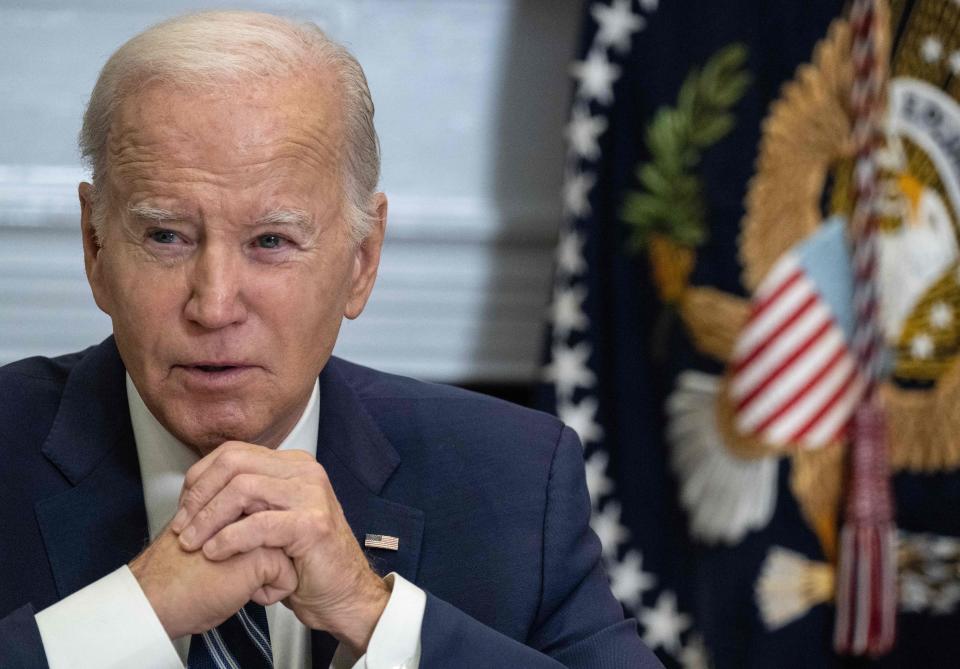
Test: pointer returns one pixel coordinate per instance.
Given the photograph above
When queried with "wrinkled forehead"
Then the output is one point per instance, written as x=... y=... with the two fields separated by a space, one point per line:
x=294 y=125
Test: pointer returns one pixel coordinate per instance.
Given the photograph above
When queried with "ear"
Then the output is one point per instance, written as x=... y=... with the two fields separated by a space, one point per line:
x=366 y=260
x=92 y=260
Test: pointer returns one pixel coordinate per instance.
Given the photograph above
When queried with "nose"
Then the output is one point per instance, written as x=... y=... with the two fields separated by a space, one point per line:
x=216 y=279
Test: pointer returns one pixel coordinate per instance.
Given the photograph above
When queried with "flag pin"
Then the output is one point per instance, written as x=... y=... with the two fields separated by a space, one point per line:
x=382 y=541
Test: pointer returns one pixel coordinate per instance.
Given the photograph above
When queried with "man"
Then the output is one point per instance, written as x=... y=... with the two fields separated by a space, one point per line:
x=231 y=223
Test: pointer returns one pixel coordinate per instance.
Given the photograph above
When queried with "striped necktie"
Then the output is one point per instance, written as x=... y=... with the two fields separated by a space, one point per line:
x=240 y=642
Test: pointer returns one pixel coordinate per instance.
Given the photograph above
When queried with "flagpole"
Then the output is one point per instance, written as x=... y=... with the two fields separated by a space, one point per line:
x=866 y=583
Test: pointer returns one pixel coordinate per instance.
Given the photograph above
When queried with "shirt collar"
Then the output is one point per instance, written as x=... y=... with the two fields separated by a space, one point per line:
x=164 y=459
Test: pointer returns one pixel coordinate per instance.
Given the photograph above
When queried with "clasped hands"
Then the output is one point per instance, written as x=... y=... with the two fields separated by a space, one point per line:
x=255 y=523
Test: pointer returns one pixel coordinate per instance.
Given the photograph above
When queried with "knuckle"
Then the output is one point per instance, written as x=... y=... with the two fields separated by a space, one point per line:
x=190 y=478
x=194 y=498
x=231 y=460
x=244 y=484
x=206 y=514
x=266 y=558
x=315 y=522
x=318 y=474
x=226 y=537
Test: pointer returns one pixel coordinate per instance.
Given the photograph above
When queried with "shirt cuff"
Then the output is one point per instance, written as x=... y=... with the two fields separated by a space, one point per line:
x=107 y=624
x=395 y=643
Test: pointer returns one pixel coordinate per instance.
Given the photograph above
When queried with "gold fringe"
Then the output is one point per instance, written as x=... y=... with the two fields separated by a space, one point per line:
x=923 y=426
x=713 y=319
x=807 y=130
x=816 y=480
x=740 y=445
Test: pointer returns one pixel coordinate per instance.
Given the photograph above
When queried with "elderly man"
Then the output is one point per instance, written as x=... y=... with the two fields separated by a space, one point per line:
x=209 y=486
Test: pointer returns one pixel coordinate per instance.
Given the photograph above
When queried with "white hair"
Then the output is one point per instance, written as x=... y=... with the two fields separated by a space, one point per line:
x=210 y=48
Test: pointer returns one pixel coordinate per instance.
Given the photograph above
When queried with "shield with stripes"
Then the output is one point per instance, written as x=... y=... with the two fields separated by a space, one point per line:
x=793 y=379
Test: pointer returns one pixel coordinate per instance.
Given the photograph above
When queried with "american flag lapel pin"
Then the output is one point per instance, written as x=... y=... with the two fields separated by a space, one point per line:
x=382 y=541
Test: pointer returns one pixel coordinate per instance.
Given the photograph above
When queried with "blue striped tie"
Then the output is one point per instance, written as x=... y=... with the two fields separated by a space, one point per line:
x=240 y=642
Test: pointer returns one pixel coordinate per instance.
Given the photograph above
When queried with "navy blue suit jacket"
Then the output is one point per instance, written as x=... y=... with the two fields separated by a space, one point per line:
x=488 y=501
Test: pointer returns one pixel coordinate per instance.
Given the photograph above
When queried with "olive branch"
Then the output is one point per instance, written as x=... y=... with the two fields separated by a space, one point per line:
x=671 y=201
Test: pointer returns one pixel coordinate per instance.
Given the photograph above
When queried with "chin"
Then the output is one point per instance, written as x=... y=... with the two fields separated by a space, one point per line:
x=204 y=428
x=206 y=440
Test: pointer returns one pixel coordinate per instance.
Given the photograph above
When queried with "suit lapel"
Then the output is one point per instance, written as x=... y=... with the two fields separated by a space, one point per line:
x=100 y=523
x=359 y=460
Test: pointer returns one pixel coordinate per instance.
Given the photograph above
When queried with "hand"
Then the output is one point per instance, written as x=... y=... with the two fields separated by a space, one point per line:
x=242 y=497
x=192 y=594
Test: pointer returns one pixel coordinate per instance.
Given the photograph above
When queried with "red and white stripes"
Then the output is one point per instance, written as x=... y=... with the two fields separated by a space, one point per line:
x=793 y=380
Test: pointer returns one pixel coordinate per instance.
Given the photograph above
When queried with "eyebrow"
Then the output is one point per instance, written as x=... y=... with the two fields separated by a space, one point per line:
x=146 y=212
x=297 y=218
x=283 y=217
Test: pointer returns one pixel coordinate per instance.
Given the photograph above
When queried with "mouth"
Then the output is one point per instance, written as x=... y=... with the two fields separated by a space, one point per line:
x=215 y=374
x=215 y=368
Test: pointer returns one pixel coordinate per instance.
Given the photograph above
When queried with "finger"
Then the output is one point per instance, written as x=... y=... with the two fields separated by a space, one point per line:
x=277 y=575
x=235 y=449
x=291 y=530
x=201 y=485
x=245 y=494
x=203 y=463
x=268 y=595
x=198 y=468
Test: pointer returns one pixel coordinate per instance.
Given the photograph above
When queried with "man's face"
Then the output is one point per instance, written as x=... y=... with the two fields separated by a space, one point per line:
x=226 y=262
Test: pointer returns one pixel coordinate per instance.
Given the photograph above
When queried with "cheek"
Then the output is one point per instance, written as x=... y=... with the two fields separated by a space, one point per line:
x=144 y=299
x=303 y=309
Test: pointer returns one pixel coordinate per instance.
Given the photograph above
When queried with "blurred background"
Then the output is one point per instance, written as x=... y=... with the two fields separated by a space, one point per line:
x=471 y=99
x=595 y=207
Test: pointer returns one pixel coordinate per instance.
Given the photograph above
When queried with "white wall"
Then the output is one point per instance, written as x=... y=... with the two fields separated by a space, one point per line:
x=471 y=98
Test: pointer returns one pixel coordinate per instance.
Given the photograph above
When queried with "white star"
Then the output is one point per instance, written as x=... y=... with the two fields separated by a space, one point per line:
x=568 y=369
x=617 y=23
x=941 y=315
x=595 y=77
x=576 y=190
x=570 y=253
x=663 y=624
x=921 y=347
x=598 y=484
x=649 y=6
x=581 y=417
x=694 y=654
x=954 y=62
x=606 y=523
x=628 y=580
x=583 y=131
x=566 y=311
x=931 y=49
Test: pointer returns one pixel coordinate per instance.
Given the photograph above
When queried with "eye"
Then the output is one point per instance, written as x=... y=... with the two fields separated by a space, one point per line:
x=164 y=236
x=269 y=241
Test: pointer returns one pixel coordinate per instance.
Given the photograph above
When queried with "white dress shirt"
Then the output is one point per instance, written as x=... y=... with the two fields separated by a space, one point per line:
x=110 y=623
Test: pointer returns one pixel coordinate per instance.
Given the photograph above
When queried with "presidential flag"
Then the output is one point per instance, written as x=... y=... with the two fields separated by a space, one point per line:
x=701 y=323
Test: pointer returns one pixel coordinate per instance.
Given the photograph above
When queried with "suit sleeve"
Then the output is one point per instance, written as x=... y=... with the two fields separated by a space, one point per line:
x=20 y=642
x=579 y=623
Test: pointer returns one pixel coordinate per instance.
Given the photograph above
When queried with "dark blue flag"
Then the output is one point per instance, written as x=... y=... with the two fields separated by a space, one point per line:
x=706 y=193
